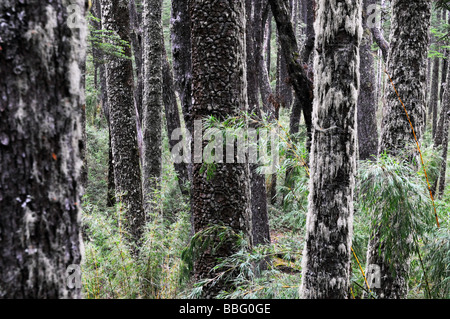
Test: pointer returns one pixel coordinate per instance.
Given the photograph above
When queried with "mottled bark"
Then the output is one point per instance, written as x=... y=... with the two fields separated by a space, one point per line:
x=119 y=82
x=41 y=103
x=152 y=101
x=173 y=122
x=435 y=85
x=219 y=89
x=367 y=102
x=254 y=38
x=441 y=137
x=326 y=256
x=181 y=54
x=407 y=66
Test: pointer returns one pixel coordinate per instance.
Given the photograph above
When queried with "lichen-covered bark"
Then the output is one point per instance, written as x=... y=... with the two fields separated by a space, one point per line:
x=219 y=89
x=152 y=100
x=407 y=66
x=41 y=99
x=119 y=82
x=367 y=102
x=326 y=256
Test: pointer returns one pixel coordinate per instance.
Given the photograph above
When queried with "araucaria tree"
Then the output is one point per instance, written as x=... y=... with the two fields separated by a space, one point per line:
x=406 y=67
x=220 y=192
x=119 y=82
x=152 y=100
x=41 y=53
x=326 y=257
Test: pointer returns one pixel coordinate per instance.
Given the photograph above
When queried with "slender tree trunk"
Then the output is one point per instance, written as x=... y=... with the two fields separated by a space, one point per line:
x=119 y=80
x=152 y=101
x=326 y=257
x=219 y=89
x=173 y=122
x=42 y=95
x=407 y=59
x=298 y=77
x=435 y=84
x=181 y=54
x=367 y=103
x=441 y=137
x=254 y=39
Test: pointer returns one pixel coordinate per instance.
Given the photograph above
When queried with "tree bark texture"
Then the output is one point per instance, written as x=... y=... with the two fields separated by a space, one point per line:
x=152 y=101
x=367 y=102
x=119 y=81
x=326 y=256
x=41 y=103
x=407 y=67
x=219 y=89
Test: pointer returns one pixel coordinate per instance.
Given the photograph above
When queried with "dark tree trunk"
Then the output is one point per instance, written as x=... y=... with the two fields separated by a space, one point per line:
x=152 y=101
x=136 y=41
x=173 y=122
x=435 y=84
x=326 y=257
x=40 y=147
x=254 y=39
x=181 y=54
x=298 y=77
x=407 y=59
x=219 y=89
x=367 y=102
x=119 y=81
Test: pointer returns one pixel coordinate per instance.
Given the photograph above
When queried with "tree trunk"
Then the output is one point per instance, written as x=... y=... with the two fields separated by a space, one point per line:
x=152 y=101
x=119 y=81
x=173 y=122
x=219 y=89
x=435 y=84
x=326 y=257
x=407 y=60
x=41 y=56
x=298 y=77
x=181 y=54
x=367 y=102
x=254 y=39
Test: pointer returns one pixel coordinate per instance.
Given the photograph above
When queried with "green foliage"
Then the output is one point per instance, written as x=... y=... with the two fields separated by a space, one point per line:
x=396 y=200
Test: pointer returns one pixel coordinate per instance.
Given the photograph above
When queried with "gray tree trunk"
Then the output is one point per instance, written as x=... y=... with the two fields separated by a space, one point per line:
x=407 y=60
x=42 y=96
x=152 y=100
x=119 y=82
x=219 y=89
x=254 y=39
x=326 y=256
x=367 y=102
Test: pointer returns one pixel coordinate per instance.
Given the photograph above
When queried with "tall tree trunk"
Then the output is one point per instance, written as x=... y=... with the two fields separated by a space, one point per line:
x=152 y=100
x=181 y=54
x=254 y=38
x=435 y=84
x=173 y=122
x=219 y=89
x=367 y=102
x=441 y=136
x=298 y=77
x=326 y=257
x=407 y=60
x=41 y=56
x=119 y=81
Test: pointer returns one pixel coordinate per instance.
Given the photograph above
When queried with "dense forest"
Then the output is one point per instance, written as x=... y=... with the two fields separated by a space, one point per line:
x=224 y=149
